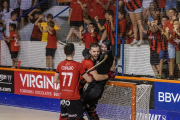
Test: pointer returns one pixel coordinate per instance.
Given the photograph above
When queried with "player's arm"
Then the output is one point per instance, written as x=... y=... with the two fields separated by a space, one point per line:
x=39 y=25
x=104 y=6
x=49 y=31
x=99 y=77
x=56 y=78
x=87 y=77
x=30 y=14
x=99 y=25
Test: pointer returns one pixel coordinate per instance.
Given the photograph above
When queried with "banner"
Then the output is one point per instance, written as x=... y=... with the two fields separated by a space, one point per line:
x=157 y=115
x=64 y=0
x=167 y=96
x=36 y=84
x=6 y=81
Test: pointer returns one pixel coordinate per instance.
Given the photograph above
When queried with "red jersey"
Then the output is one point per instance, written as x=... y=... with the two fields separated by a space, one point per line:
x=122 y=27
x=173 y=38
x=89 y=7
x=110 y=33
x=14 y=44
x=52 y=40
x=132 y=5
x=113 y=8
x=162 y=3
x=77 y=12
x=69 y=73
x=154 y=41
x=88 y=39
x=171 y=27
x=98 y=10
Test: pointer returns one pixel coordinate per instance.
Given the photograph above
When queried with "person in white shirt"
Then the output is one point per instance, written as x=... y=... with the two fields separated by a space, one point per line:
x=6 y=12
x=25 y=5
x=9 y=21
x=15 y=5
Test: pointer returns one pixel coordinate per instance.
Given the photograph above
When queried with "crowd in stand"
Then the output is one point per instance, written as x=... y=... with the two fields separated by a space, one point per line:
x=95 y=20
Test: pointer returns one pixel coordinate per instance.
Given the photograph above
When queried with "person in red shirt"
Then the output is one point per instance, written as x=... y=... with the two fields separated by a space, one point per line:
x=161 y=6
x=14 y=45
x=89 y=37
x=51 y=44
x=122 y=23
x=67 y=74
x=75 y=20
x=154 y=42
x=130 y=35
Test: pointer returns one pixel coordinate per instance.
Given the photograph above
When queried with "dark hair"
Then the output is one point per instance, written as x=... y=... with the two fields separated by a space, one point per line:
x=51 y=24
x=69 y=48
x=177 y=19
x=36 y=13
x=174 y=9
x=107 y=43
x=166 y=17
x=92 y=24
x=13 y=26
x=122 y=12
x=13 y=13
x=1 y=23
x=50 y=16
x=155 y=6
x=7 y=5
x=93 y=45
x=110 y=12
x=87 y=17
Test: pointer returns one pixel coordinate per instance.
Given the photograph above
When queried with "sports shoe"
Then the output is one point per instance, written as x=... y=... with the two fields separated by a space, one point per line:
x=171 y=77
x=161 y=76
x=18 y=64
x=64 y=42
x=133 y=42
x=140 y=42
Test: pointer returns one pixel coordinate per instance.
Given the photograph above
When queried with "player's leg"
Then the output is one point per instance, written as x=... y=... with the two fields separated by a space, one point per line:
x=161 y=58
x=64 y=112
x=135 y=28
x=50 y=62
x=139 y=17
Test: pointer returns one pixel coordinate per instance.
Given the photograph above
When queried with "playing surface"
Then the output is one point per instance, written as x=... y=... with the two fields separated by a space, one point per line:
x=15 y=113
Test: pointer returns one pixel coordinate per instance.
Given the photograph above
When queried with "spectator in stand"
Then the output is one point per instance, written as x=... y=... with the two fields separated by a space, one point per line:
x=75 y=16
x=170 y=4
x=25 y=5
x=7 y=22
x=36 y=34
x=89 y=7
x=13 y=39
x=1 y=31
x=164 y=48
x=99 y=8
x=51 y=44
x=49 y=18
x=162 y=4
x=122 y=23
x=90 y=36
x=134 y=8
x=176 y=37
x=15 y=6
x=154 y=41
x=6 y=12
x=152 y=14
x=146 y=5
x=168 y=27
x=178 y=8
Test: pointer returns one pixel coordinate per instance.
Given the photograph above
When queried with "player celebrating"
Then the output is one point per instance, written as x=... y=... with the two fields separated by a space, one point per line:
x=95 y=89
x=68 y=72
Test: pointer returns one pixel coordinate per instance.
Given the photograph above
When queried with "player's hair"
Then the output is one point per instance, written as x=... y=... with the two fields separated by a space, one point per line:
x=36 y=13
x=93 y=45
x=122 y=12
x=13 y=26
x=13 y=13
x=1 y=23
x=51 y=24
x=87 y=17
x=166 y=17
x=177 y=19
x=50 y=16
x=110 y=12
x=174 y=9
x=69 y=49
x=92 y=24
x=107 y=43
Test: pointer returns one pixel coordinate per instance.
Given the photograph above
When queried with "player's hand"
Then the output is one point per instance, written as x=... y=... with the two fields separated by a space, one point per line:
x=85 y=5
x=78 y=2
x=167 y=30
x=91 y=75
x=96 y=19
x=92 y=30
x=81 y=28
x=111 y=74
x=110 y=18
x=98 y=1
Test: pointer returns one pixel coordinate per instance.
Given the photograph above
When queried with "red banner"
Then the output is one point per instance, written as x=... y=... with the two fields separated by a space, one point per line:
x=35 y=84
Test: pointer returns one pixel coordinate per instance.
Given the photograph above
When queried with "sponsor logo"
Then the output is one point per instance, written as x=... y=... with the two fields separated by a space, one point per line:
x=168 y=97
x=5 y=77
x=67 y=68
x=65 y=103
x=157 y=117
x=38 y=81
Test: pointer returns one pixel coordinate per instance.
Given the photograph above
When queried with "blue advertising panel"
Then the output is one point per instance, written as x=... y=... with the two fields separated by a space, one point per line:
x=157 y=115
x=167 y=96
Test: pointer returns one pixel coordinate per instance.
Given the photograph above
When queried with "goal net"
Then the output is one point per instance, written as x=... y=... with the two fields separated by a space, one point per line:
x=124 y=101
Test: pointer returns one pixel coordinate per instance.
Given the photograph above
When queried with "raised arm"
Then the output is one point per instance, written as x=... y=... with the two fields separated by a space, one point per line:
x=57 y=24
x=99 y=25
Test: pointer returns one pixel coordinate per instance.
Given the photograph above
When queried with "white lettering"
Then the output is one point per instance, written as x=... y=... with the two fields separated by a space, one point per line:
x=67 y=68
x=161 y=96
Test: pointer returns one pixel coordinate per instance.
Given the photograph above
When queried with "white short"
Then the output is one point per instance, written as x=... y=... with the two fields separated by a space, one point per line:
x=171 y=50
x=146 y=3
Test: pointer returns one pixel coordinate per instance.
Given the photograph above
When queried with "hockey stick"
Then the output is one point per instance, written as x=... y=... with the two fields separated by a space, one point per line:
x=105 y=57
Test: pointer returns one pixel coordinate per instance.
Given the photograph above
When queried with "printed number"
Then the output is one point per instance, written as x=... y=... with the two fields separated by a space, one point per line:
x=16 y=43
x=67 y=74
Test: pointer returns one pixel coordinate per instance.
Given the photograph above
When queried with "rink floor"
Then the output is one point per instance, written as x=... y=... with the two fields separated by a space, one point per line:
x=16 y=113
